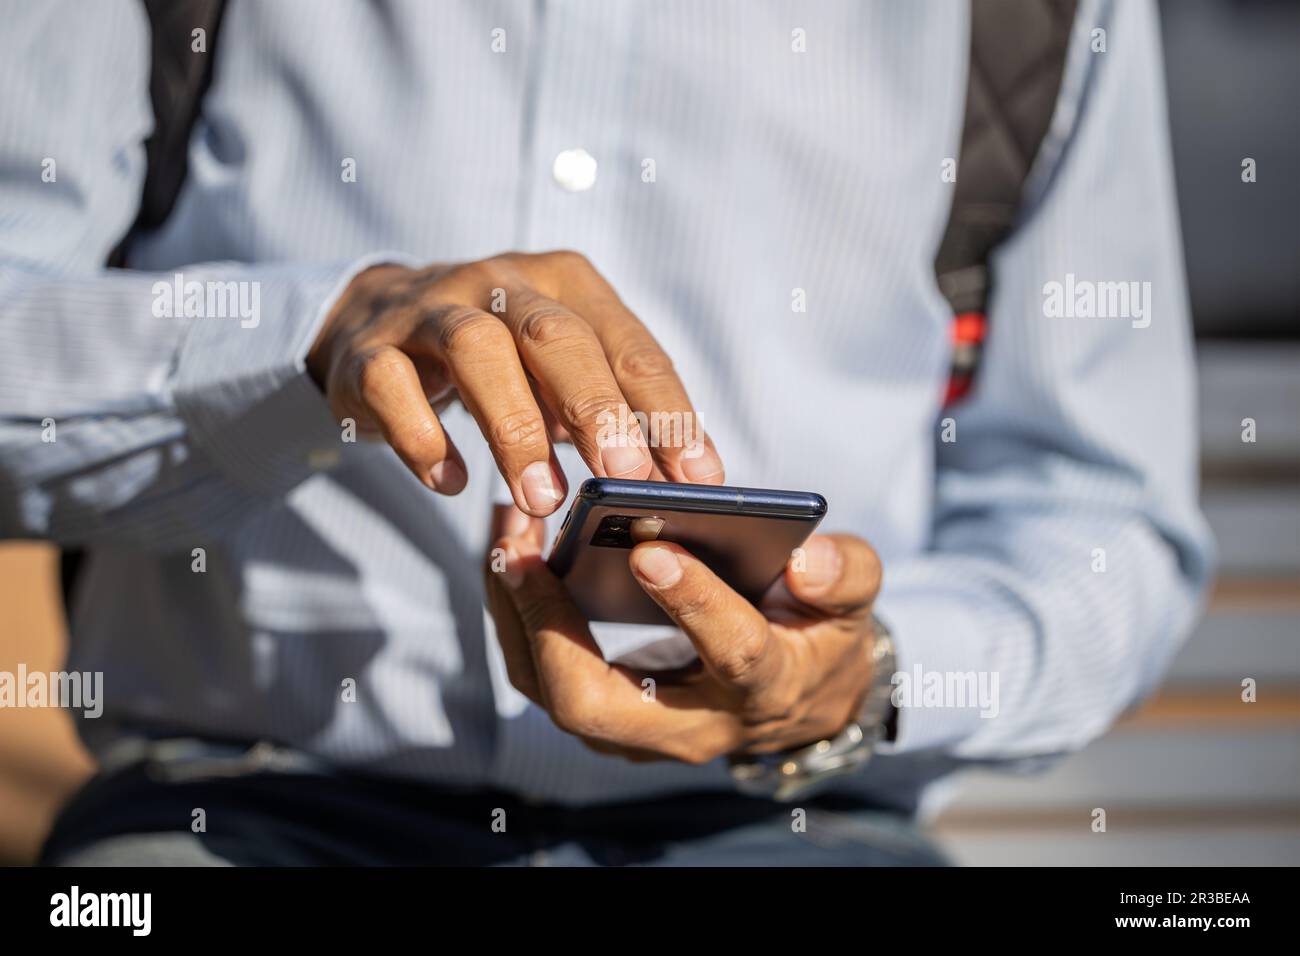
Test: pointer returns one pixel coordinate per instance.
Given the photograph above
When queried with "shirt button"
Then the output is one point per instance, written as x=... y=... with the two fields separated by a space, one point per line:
x=575 y=170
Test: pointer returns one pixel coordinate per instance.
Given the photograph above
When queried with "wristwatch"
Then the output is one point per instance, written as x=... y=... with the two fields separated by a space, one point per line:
x=795 y=773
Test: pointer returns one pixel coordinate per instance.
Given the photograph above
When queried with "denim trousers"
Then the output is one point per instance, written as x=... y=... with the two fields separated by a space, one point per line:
x=224 y=809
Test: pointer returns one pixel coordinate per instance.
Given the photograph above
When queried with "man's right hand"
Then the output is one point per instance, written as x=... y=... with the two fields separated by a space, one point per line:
x=531 y=344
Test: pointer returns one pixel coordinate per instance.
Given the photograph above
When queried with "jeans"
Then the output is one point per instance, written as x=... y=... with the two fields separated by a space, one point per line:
x=235 y=812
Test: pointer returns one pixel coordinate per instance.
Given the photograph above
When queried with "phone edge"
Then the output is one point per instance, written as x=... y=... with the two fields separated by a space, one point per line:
x=718 y=499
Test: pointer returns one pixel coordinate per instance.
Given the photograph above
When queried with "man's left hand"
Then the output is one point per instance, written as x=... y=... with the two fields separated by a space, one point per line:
x=784 y=675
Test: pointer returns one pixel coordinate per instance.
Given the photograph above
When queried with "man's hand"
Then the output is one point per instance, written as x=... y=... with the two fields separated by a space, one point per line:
x=790 y=674
x=535 y=346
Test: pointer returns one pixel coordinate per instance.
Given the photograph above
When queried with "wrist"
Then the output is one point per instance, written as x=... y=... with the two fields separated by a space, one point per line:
x=363 y=296
x=793 y=773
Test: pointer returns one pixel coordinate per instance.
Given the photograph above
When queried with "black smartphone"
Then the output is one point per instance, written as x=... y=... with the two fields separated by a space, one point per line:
x=745 y=535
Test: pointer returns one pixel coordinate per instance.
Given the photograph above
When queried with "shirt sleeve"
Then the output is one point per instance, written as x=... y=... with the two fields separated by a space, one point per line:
x=125 y=415
x=1068 y=556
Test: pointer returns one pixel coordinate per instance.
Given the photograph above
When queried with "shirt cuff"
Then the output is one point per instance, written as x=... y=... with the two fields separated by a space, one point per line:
x=944 y=692
x=241 y=383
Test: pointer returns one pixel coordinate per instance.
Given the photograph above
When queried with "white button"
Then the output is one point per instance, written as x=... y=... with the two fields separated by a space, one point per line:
x=575 y=170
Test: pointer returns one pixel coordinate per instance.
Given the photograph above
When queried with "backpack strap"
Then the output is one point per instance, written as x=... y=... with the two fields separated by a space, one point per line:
x=178 y=78
x=1017 y=59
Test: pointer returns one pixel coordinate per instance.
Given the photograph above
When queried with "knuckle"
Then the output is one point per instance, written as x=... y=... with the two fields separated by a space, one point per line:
x=589 y=406
x=546 y=325
x=517 y=432
x=741 y=658
x=468 y=332
x=568 y=260
x=643 y=361
x=373 y=371
x=480 y=274
x=417 y=437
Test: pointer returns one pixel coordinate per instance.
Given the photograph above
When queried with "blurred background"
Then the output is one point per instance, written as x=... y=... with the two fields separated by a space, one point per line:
x=1193 y=777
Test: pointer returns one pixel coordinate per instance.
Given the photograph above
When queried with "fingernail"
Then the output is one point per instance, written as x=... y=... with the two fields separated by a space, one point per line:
x=624 y=461
x=515 y=523
x=540 y=488
x=704 y=467
x=513 y=575
x=448 y=476
x=822 y=563
x=659 y=566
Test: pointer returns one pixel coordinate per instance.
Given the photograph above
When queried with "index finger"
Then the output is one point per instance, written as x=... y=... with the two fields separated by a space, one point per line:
x=571 y=372
x=645 y=375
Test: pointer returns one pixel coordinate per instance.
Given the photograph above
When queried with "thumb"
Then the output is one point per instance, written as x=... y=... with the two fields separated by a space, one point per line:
x=838 y=574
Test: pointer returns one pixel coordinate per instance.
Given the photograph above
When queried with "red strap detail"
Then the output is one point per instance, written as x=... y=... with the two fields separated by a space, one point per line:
x=968 y=328
x=957 y=389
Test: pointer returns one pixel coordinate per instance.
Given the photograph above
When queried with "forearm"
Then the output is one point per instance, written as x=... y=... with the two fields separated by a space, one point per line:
x=1026 y=634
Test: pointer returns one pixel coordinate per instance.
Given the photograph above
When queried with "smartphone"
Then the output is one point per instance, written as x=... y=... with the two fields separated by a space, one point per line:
x=745 y=535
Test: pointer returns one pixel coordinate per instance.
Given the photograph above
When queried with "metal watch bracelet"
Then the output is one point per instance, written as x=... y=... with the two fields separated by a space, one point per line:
x=794 y=773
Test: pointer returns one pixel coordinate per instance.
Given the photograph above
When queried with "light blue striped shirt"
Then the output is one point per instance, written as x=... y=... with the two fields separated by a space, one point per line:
x=1048 y=534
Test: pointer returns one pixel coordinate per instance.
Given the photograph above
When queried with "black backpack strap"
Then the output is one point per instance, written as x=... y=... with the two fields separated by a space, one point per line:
x=178 y=78
x=1017 y=59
